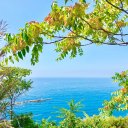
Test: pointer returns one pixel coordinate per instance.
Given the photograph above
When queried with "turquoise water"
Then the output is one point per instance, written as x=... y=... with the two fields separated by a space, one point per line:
x=91 y=91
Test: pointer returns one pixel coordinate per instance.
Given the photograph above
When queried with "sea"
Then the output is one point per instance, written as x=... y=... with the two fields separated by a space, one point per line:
x=91 y=92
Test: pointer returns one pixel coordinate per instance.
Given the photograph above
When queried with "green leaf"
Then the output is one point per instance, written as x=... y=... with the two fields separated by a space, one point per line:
x=40 y=47
x=25 y=36
x=66 y=1
x=6 y=61
x=11 y=60
x=23 y=52
x=83 y=1
x=27 y=48
x=9 y=37
x=16 y=57
x=20 y=55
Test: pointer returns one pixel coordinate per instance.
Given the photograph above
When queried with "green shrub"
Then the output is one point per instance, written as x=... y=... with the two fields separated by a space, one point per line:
x=89 y=122
x=109 y=122
x=70 y=120
x=48 y=124
x=24 y=121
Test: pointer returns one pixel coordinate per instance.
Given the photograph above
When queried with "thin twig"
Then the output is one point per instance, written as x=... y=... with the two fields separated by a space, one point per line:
x=121 y=9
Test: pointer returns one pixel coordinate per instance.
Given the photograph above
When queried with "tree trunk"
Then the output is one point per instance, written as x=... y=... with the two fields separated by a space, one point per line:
x=11 y=108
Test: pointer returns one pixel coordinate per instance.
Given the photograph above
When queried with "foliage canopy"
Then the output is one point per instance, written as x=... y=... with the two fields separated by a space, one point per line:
x=70 y=28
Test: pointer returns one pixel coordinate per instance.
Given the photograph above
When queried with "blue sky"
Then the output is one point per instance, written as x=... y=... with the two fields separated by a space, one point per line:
x=97 y=61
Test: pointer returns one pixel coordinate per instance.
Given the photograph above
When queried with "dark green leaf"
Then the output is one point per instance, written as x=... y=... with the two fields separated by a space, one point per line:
x=40 y=47
x=25 y=36
x=9 y=37
x=23 y=52
x=20 y=55
x=27 y=48
x=84 y=1
x=66 y=1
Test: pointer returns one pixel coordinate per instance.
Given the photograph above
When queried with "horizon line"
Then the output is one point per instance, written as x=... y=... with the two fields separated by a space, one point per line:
x=66 y=77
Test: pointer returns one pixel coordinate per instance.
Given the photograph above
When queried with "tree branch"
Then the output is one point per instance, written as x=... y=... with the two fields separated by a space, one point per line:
x=3 y=26
x=121 y=9
x=102 y=29
x=85 y=38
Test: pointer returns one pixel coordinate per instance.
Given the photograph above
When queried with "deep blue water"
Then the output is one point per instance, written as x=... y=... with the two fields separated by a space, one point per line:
x=91 y=91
